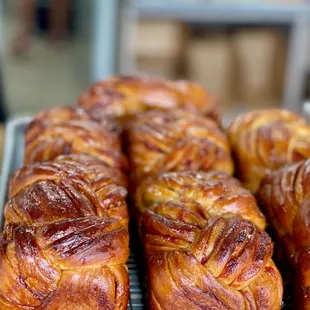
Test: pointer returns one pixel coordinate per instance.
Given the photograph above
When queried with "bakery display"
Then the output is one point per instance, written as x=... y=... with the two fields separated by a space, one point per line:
x=124 y=96
x=177 y=140
x=285 y=197
x=65 y=242
x=266 y=140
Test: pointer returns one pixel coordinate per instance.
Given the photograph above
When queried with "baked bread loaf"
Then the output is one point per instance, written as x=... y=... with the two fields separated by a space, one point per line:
x=47 y=137
x=68 y=264
x=66 y=241
x=285 y=198
x=71 y=186
x=161 y=141
x=204 y=248
x=266 y=140
x=124 y=96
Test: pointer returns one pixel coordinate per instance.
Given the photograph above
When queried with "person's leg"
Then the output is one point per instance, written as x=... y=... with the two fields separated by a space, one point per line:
x=59 y=19
x=26 y=24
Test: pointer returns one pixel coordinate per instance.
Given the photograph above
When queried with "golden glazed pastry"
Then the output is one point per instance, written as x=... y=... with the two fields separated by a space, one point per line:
x=48 y=136
x=194 y=197
x=203 y=247
x=69 y=113
x=227 y=265
x=160 y=141
x=124 y=96
x=68 y=264
x=285 y=197
x=65 y=245
x=266 y=140
x=68 y=187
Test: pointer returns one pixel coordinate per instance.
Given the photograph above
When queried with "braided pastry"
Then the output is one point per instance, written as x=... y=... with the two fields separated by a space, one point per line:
x=194 y=197
x=204 y=249
x=124 y=96
x=266 y=140
x=67 y=113
x=227 y=266
x=69 y=264
x=176 y=140
x=46 y=138
x=285 y=197
x=69 y=187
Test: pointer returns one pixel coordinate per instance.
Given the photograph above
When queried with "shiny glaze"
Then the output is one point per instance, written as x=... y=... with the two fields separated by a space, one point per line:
x=69 y=264
x=49 y=135
x=68 y=187
x=228 y=265
x=124 y=96
x=193 y=197
x=160 y=141
x=285 y=198
x=204 y=245
x=266 y=140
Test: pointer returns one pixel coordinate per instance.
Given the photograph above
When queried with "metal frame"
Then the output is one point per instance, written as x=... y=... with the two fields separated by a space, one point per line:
x=2 y=97
x=113 y=56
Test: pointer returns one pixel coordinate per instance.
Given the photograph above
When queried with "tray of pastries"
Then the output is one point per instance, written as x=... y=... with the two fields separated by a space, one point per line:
x=137 y=197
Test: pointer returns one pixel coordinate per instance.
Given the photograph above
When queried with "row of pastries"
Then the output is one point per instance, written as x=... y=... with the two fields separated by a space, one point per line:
x=198 y=194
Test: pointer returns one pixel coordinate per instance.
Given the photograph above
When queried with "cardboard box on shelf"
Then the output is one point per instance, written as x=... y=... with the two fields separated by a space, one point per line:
x=209 y=62
x=159 y=39
x=164 y=68
x=260 y=60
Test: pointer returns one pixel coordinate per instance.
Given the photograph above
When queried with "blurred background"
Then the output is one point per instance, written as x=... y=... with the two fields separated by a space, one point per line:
x=251 y=54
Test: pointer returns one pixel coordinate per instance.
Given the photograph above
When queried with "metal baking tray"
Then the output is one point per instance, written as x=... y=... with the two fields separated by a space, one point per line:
x=13 y=160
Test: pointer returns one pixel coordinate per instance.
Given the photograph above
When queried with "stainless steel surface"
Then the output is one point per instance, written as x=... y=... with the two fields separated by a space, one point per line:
x=13 y=160
x=12 y=156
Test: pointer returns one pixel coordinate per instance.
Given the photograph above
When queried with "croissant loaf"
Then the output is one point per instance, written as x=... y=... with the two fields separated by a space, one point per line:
x=285 y=197
x=266 y=140
x=204 y=249
x=124 y=96
x=176 y=140
x=66 y=240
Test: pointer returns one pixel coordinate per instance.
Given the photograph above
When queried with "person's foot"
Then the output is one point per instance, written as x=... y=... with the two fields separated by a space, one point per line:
x=22 y=44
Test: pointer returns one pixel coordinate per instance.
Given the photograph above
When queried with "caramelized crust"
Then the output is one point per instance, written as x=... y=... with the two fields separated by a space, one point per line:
x=69 y=187
x=266 y=140
x=70 y=264
x=46 y=138
x=227 y=265
x=193 y=197
x=285 y=197
x=124 y=96
x=177 y=140
x=69 y=113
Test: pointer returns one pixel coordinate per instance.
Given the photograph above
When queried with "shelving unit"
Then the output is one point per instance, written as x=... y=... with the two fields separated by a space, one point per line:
x=127 y=12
